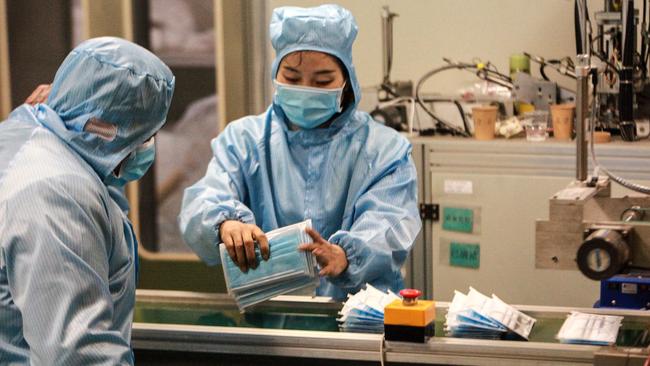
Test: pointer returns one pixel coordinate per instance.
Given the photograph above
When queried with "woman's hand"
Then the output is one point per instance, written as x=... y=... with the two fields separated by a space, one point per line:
x=39 y=95
x=240 y=239
x=330 y=257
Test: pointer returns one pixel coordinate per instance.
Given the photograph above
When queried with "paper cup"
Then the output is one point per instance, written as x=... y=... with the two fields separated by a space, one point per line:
x=485 y=119
x=601 y=137
x=562 y=117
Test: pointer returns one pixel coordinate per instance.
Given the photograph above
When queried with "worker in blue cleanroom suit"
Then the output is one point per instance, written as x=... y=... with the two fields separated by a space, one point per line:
x=67 y=250
x=313 y=155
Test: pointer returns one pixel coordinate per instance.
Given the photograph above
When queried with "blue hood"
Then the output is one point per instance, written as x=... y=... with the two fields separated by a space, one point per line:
x=327 y=28
x=115 y=81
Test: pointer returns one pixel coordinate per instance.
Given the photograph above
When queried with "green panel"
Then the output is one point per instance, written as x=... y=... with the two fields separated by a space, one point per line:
x=464 y=255
x=180 y=276
x=458 y=219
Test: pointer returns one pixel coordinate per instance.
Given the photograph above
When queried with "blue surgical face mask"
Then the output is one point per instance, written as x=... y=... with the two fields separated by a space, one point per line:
x=135 y=166
x=285 y=258
x=308 y=107
x=287 y=269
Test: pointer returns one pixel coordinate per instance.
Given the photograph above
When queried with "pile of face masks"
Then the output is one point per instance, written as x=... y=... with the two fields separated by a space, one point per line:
x=288 y=269
x=363 y=312
x=581 y=328
x=477 y=316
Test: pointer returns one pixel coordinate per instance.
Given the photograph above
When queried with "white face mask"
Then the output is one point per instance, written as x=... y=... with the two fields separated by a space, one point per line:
x=490 y=315
x=584 y=328
x=510 y=317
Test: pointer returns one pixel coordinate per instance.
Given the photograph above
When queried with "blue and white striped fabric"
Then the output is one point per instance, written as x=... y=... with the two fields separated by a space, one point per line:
x=67 y=249
x=354 y=179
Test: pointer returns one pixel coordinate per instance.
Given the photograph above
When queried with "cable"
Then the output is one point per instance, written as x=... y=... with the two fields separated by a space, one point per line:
x=597 y=167
x=462 y=115
x=442 y=126
x=563 y=66
x=606 y=61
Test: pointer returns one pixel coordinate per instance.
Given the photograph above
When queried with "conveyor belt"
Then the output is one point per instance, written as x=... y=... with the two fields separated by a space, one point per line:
x=208 y=328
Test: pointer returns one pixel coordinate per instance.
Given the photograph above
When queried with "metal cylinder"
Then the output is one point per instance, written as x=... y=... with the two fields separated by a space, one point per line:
x=603 y=254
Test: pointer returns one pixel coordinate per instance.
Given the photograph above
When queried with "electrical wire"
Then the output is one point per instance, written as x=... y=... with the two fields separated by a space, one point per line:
x=462 y=115
x=459 y=107
x=562 y=66
x=442 y=126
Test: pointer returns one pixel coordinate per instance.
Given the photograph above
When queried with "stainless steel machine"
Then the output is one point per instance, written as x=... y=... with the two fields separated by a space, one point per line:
x=589 y=230
x=601 y=235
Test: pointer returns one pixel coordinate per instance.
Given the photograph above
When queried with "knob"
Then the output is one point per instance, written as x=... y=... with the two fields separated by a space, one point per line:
x=410 y=296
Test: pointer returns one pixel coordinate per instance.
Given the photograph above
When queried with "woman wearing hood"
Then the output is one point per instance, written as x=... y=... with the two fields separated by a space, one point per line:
x=311 y=155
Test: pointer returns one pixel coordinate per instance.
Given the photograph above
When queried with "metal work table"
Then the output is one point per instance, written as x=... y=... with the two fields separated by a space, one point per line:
x=174 y=328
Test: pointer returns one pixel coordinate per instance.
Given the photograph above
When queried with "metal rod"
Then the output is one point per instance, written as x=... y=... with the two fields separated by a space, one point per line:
x=582 y=69
x=387 y=40
x=626 y=88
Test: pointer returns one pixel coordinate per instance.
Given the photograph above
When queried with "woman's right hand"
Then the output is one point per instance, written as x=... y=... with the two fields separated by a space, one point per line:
x=240 y=239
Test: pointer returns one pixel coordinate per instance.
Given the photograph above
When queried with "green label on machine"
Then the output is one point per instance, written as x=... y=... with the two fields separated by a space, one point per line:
x=464 y=255
x=458 y=219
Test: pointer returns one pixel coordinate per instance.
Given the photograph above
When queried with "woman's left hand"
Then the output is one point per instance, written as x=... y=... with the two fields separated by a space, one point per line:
x=330 y=257
x=39 y=95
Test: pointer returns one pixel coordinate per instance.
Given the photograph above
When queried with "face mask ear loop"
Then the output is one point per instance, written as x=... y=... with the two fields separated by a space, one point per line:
x=147 y=144
x=341 y=93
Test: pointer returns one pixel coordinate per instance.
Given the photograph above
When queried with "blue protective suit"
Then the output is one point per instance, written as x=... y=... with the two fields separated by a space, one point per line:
x=354 y=178
x=67 y=249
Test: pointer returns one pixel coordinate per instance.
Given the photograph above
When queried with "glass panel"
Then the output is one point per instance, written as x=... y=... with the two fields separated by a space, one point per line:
x=182 y=34
x=229 y=316
x=633 y=333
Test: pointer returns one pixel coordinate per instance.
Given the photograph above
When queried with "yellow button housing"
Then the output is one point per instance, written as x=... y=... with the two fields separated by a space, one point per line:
x=418 y=315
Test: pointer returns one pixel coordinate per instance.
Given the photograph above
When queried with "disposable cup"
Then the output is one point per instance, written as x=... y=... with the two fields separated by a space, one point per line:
x=485 y=119
x=562 y=117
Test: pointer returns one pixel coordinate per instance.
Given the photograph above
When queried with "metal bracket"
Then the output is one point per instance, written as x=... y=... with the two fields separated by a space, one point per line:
x=430 y=211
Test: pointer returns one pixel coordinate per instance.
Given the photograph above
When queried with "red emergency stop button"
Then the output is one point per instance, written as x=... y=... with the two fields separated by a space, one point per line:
x=410 y=296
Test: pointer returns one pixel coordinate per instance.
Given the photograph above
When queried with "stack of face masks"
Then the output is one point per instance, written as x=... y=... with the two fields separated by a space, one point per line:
x=288 y=269
x=363 y=312
x=477 y=316
x=581 y=328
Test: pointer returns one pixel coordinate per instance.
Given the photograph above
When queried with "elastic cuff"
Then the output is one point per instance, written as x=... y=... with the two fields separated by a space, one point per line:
x=343 y=279
x=244 y=216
